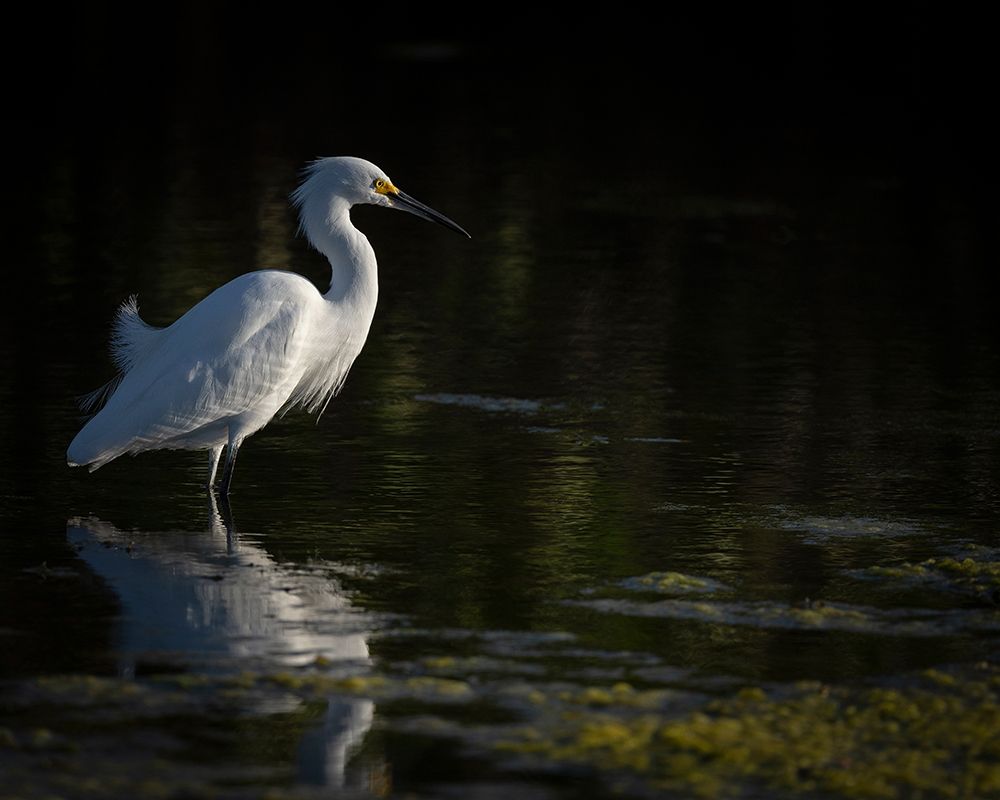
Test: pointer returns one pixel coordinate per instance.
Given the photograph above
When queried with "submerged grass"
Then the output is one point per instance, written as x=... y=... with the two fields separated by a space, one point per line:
x=932 y=735
x=973 y=571
x=669 y=582
x=936 y=737
x=935 y=734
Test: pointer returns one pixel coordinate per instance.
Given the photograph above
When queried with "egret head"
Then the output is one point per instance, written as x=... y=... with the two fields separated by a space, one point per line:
x=357 y=181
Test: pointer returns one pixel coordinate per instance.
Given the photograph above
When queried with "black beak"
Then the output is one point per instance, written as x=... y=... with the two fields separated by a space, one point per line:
x=404 y=202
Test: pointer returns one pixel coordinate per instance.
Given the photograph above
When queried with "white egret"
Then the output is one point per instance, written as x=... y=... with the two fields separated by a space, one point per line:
x=260 y=344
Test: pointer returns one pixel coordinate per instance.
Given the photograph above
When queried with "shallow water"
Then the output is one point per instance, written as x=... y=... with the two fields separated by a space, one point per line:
x=624 y=455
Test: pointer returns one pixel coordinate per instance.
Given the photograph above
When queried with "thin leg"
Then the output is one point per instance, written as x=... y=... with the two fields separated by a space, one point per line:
x=213 y=464
x=220 y=519
x=226 y=514
x=227 y=473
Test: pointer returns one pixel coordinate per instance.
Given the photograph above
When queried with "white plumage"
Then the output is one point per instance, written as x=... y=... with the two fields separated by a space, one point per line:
x=260 y=344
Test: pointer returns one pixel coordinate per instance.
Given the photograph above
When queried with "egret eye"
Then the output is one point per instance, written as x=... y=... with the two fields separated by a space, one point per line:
x=379 y=183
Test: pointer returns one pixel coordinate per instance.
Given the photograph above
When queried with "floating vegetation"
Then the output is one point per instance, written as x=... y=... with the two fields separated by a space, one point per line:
x=620 y=694
x=972 y=571
x=938 y=736
x=167 y=694
x=821 y=529
x=672 y=583
x=478 y=665
x=531 y=701
x=935 y=734
x=427 y=688
x=816 y=615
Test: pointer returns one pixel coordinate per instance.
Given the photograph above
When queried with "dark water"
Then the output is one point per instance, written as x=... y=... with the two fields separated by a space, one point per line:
x=752 y=347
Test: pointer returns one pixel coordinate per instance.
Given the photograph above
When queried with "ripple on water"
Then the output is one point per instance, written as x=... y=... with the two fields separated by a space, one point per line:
x=513 y=405
x=821 y=529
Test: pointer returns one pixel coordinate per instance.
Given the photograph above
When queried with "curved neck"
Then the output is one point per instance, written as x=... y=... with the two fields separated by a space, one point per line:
x=354 y=270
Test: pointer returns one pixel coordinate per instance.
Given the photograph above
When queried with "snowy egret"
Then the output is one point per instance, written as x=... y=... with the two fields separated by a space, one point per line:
x=255 y=347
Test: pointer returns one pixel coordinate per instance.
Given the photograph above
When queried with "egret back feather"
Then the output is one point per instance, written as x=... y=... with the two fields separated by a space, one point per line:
x=131 y=339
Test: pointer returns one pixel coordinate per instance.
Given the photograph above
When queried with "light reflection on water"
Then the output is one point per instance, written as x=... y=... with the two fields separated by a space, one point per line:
x=210 y=600
x=212 y=594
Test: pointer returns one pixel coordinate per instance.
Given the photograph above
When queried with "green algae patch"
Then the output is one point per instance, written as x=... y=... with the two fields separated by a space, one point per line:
x=309 y=685
x=361 y=684
x=312 y=684
x=87 y=689
x=162 y=691
x=443 y=687
x=672 y=583
x=483 y=666
x=972 y=571
x=938 y=736
x=288 y=680
x=621 y=695
x=439 y=662
x=823 y=615
x=185 y=680
x=244 y=680
x=817 y=615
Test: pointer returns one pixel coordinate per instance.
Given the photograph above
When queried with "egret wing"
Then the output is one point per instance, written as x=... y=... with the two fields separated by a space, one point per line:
x=237 y=355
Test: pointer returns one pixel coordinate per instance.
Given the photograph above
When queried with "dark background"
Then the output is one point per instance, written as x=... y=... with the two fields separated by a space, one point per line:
x=866 y=122
x=732 y=90
x=915 y=79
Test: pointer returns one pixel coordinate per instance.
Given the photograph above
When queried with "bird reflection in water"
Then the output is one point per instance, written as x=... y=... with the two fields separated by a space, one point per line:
x=213 y=602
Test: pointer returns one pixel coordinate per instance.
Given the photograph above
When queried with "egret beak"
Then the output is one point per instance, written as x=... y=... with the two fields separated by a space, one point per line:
x=404 y=202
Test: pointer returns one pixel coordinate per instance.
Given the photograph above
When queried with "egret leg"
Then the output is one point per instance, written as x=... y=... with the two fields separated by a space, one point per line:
x=213 y=464
x=227 y=473
x=220 y=518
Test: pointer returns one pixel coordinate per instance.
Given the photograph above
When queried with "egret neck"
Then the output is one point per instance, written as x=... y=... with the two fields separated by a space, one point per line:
x=354 y=270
